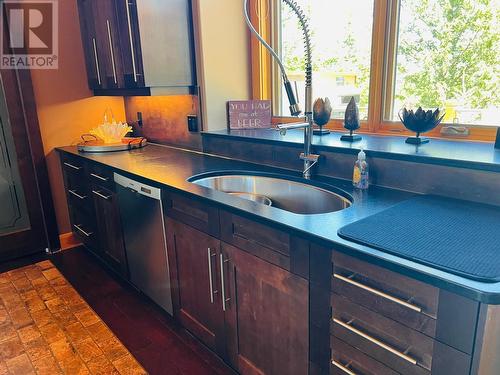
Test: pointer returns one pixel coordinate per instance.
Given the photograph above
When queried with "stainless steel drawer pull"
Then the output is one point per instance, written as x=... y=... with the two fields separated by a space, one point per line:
x=72 y=166
x=96 y=62
x=378 y=293
x=131 y=40
x=342 y=367
x=375 y=341
x=223 y=287
x=99 y=177
x=86 y=234
x=82 y=197
x=210 y=275
x=111 y=51
x=107 y=197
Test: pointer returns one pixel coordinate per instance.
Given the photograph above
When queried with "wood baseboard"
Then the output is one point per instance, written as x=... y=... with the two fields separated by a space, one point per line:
x=68 y=241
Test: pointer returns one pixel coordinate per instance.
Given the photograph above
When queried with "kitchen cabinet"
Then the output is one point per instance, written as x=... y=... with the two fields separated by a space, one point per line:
x=195 y=275
x=80 y=204
x=109 y=230
x=266 y=310
x=251 y=312
x=93 y=211
x=397 y=323
x=137 y=48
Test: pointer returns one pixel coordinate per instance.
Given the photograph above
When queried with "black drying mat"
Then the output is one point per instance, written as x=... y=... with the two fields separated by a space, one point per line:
x=456 y=236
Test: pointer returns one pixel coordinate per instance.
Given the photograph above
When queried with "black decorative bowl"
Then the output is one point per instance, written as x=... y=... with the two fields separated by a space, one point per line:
x=420 y=121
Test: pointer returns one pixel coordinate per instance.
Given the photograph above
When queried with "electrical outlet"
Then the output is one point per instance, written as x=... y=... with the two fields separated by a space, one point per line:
x=139 y=119
x=192 y=122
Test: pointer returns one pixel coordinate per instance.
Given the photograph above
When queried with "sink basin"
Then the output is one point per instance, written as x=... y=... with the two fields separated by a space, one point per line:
x=286 y=194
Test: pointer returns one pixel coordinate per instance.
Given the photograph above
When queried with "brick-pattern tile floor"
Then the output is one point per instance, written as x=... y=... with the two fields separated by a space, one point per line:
x=47 y=328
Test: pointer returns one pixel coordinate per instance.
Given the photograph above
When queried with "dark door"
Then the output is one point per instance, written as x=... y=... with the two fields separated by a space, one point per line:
x=197 y=302
x=22 y=225
x=94 y=58
x=101 y=41
x=267 y=315
x=130 y=43
x=110 y=237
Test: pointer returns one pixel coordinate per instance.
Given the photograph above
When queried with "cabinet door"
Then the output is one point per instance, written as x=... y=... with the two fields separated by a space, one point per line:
x=194 y=272
x=93 y=58
x=99 y=18
x=110 y=237
x=130 y=41
x=267 y=315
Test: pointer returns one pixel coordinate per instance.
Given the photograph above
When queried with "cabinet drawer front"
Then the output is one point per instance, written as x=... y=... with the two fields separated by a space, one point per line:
x=83 y=226
x=74 y=170
x=73 y=164
x=403 y=347
x=400 y=298
x=266 y=243
x=101 y=176
x=347 y=360
x=192 y=212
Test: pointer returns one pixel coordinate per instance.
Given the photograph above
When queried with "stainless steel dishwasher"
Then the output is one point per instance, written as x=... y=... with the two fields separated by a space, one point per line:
x=143 y=224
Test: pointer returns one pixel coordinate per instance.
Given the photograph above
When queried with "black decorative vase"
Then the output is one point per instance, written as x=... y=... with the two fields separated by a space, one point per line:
x=497 y=142
x=351 y=122
x=322 y=111
x=420 y=121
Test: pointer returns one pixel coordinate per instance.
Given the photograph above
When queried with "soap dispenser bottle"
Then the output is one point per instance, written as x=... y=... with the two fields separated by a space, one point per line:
x=361 y=172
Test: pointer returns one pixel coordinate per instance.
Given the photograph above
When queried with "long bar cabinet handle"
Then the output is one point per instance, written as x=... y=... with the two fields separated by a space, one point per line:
x=86 y=234
x=99 y=177
x=342 y=367
x=111 y=50
x=72 y=166
x=131 y=40
x=223 y=286
x=210 y=274
x=107 y=197
x=96 y=62
x=82 y=197
x=375 y=341
x=378 y=293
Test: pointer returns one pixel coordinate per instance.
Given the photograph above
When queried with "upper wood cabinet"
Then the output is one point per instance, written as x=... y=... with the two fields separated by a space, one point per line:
x=138 y=48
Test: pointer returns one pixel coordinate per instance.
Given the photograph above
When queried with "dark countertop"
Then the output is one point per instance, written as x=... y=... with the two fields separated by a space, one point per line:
x=171 y=167
x=453 y=153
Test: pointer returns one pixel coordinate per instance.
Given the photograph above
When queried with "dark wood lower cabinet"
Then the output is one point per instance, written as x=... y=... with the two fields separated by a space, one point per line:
x=109 y=230
x=267 y=315
x=251 y=312
x=193 y=269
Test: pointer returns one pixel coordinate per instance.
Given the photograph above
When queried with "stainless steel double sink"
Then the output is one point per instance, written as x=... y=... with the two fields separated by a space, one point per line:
x=280 y=192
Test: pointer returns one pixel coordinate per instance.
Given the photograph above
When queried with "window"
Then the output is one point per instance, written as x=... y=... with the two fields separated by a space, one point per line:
x=394 y=53
x=448 y=57
x=341 y=35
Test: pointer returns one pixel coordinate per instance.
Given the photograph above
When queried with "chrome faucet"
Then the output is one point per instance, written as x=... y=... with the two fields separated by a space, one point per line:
x=309 y=159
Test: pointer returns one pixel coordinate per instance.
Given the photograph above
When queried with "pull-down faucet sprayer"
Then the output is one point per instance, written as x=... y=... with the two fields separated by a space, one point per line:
x=309 y=159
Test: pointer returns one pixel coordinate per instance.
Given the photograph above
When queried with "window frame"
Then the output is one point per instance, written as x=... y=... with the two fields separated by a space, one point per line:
x=266 y=78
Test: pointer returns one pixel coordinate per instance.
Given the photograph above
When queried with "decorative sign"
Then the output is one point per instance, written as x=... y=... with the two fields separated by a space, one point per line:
x=249 y=114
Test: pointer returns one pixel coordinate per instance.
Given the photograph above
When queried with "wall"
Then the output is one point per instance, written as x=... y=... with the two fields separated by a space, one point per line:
x=65 y=105
x=164 y=119
x=224 y=71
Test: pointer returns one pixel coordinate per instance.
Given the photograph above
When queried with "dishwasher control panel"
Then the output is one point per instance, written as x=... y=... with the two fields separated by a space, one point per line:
x=148 y=191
